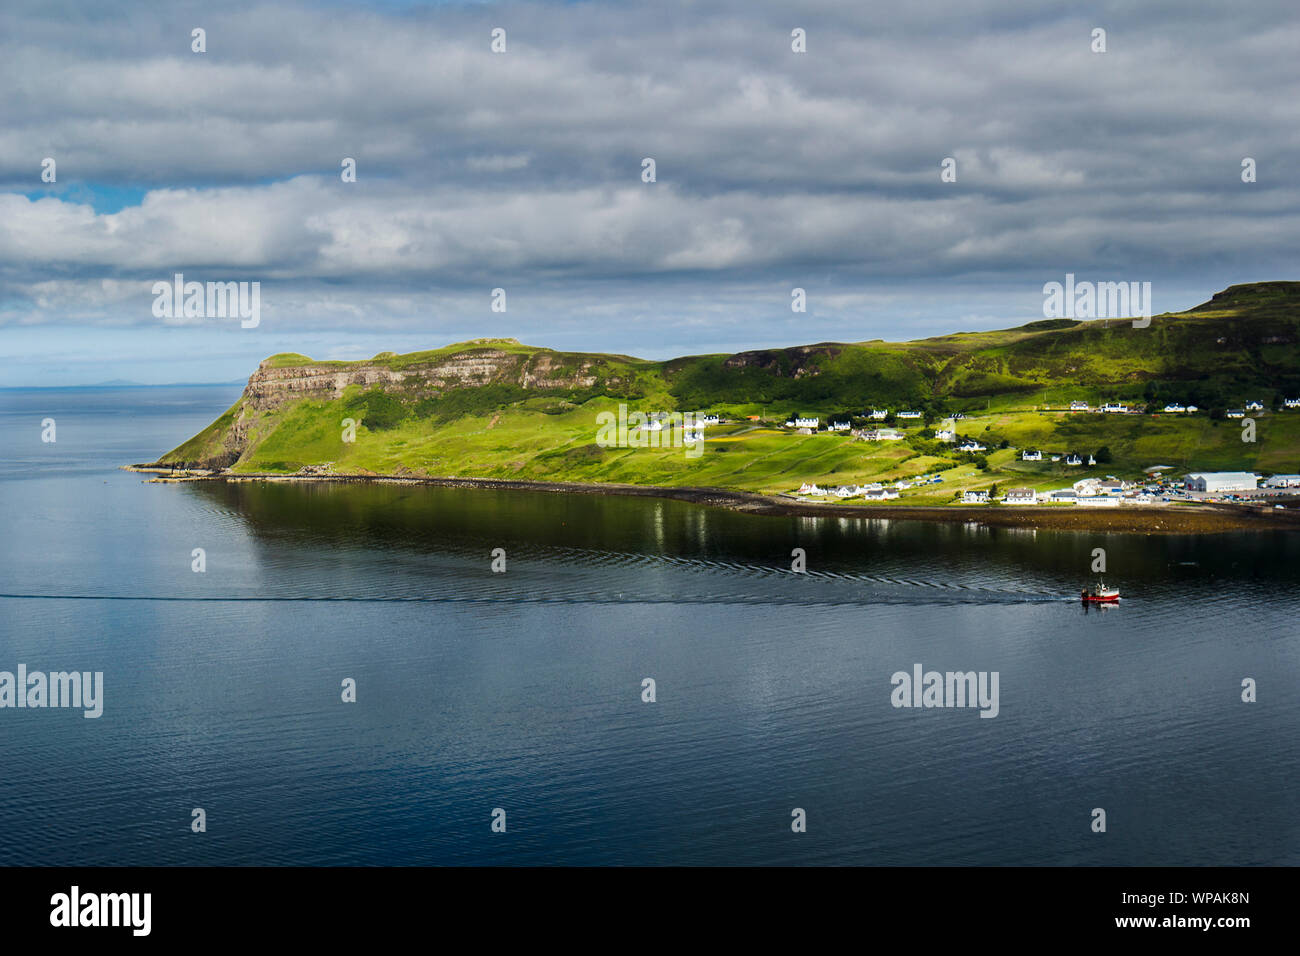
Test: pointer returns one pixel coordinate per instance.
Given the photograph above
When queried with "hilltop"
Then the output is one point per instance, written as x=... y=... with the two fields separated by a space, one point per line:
x=496 y=408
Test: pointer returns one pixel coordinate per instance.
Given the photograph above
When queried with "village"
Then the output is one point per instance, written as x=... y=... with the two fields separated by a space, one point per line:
x=1154 y=489
x=1105 y=492
x=925 y=458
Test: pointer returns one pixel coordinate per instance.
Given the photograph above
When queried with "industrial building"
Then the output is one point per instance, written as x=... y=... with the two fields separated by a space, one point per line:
x=1222 y=481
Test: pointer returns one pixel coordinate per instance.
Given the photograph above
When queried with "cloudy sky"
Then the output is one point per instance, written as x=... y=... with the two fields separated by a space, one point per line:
x=522 y=170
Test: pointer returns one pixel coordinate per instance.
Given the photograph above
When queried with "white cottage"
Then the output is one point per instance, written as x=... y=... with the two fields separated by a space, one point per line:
x=1020 y=496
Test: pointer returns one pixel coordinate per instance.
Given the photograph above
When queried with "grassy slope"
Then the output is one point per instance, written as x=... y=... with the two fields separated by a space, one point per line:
x=1217 y=353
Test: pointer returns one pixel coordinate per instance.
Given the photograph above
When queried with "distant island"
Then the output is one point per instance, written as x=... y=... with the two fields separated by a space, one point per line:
x=1019 y=416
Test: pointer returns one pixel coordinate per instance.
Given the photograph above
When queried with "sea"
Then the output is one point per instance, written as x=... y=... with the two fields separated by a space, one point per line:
x=352 y=674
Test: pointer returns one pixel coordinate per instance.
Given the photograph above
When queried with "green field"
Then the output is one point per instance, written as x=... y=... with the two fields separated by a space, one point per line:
x=531 y=414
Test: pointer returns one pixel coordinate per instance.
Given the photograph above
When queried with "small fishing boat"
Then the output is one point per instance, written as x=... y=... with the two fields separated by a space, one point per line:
x=1100 y=594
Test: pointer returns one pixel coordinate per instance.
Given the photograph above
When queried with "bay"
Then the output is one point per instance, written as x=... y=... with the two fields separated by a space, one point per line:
x=522 y=690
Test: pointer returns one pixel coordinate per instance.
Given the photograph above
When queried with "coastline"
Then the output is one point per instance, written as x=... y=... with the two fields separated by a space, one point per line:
x=1126 y=519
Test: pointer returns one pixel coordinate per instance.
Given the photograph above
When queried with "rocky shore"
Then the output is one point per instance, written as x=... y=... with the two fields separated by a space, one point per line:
x=1136 y=519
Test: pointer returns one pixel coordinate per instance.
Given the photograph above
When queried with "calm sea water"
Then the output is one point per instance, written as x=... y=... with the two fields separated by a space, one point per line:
x=522 y=690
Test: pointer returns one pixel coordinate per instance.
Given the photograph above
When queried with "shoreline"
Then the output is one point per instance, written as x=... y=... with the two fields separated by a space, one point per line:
x=1124 y=519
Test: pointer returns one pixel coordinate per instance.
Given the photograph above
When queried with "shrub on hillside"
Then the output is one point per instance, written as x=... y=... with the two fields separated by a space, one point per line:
x=377 y=409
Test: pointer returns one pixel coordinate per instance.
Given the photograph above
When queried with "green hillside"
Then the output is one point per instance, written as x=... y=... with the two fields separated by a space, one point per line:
x=494 y=408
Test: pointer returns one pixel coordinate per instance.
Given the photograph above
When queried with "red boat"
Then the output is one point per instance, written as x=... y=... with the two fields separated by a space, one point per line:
x=1100 y=595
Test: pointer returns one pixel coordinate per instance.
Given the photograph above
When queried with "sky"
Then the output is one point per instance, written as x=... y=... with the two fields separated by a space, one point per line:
x=524 y=170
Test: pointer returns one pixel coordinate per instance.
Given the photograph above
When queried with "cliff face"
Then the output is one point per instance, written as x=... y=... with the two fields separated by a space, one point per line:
x=282 y=381
x=270 y=387
x=273 y=384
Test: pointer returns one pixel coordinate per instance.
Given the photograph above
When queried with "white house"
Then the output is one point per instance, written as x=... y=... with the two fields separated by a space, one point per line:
x=806 y=422
x=708 y=419
x=1078 y=406
x=840 y=426
x=1291 y=403
x=881 y=434
x=974 y=497
x=1236 y=413
x=693 y=436
x=1020 y=496
x=810 y=488
x=1254 y=406
x=1192 y=408
x=1210 y=481
x=909 y=414
x=1056 y=458
x=945 y=434
x=654 y=426
x=880 y=494
x=1065 y=495
x=1283 y=481
x=1028 y=455
x=1073 y=460
x=1091 y=501
x=1150 y=498
x=879 y=414
x=1175 y=408
x=1114 y=407
x=845 y=491
x=971 y=446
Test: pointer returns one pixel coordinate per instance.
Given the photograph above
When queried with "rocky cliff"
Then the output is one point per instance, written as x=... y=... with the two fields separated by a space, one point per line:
x=280 y=379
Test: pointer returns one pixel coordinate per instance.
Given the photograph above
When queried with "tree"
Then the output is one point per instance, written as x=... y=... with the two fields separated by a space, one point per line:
x=1103 y=455
x=993 y=492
